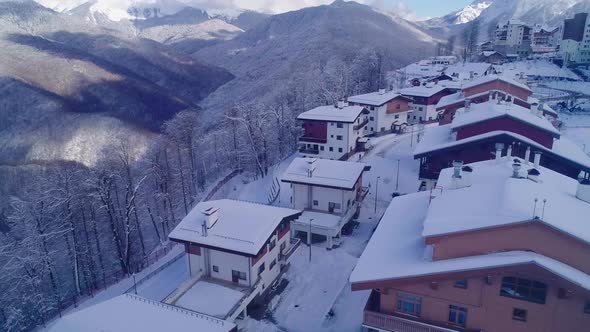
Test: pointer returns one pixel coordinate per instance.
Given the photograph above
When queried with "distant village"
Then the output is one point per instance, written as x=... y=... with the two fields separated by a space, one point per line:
x=491 y=234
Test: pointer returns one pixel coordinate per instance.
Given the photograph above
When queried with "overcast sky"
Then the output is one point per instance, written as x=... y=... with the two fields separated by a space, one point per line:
x=419 y=9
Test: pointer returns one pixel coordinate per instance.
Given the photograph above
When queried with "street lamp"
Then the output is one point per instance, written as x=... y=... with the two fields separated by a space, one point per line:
x=310 y=220
x=376 y=192
x=397 y=178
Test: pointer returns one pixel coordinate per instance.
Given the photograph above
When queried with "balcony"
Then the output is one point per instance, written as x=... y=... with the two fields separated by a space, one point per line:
x=372 y=318
x=361 y=125
x=313 y=140
x=308 y=151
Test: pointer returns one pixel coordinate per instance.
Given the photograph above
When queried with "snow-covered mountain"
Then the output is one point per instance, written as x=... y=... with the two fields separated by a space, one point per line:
x=471 y=12
x=68 y=88
x=271 y=56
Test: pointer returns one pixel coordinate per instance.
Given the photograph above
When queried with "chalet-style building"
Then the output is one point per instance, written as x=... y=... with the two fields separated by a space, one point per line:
x=481 y=90
x=235 y=248
x=388 y=111
x=329 y=192
x=492 y=57
x=498 y=246
x=423 y=101
x=332 y=132
x=129 y=312
x=498 y=128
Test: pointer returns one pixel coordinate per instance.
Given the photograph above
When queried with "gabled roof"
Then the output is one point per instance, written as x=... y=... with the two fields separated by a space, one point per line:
x=496 y=199
x=440 y=138
x=347 y=114
x=490 y=110
x=242 y=227
x=422 y=91
x=492 y=78
x=130 y=312
x=397 y=251
x=326 y=173
x=376 y=98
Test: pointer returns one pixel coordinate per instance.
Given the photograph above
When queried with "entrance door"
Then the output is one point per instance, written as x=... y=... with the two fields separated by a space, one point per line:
x=331 y=207
x=235 y=276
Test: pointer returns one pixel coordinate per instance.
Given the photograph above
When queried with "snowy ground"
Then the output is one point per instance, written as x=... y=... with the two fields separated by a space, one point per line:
x=317 y=287
x=577 y=128
x=200 y=297
x=164 y=283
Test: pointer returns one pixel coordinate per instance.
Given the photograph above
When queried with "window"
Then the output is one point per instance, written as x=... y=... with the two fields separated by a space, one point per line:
x=409 y=304
x=273 y=244
x=339 y=125
x=457 y=315
x=322 y=148
x=461 y=283
x=261 y=268
x=283 y=246
x=331 y=123
x=272 y=264
x=339 y=149
x=215 y=268
x=315 y=203
x=331 y=149
x=396 y=116
x=238 y=275
x=398 y=106
x=339 y=137
x=371 y=118
x=587 y=307
x=519 y=314
x=334 y=206
x=372 y=108
x=524 y=289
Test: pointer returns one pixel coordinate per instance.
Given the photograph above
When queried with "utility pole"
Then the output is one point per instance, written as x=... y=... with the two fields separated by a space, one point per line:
x=376 y=192
x=397 y=177
x=310 y=220
x=412 y=136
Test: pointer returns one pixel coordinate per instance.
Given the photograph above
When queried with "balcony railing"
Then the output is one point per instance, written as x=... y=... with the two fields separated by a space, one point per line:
x=313 y=140
x=401 y=323
x=308 y=151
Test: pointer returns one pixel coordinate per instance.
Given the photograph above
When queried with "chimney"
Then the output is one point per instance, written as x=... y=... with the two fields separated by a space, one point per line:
x=457 y=165
x=467 y=104
x=516 y=170
x=310 y=166
x=342 y=104
x=583 y=192
x=381 y=91
x=471 y=74
x=537 y=159
x=461 y=175
x=527 y=155
x=499 y=148
x=211 y=215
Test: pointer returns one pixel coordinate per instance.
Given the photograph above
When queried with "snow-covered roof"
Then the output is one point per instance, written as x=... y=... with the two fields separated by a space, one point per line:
x=332 y=113
x=375 y=98
x=319 y=219
x=491 y=110
x=421 y=69
x=495 y=198
x=450 y=99
x=242 y=226
x=397 y=250
x=423 y=90
x=441 y=137
x=488 y=53
x=534 y=68
x=492 y=78
x=328 y=173
x=131 y=312
x=464 y=70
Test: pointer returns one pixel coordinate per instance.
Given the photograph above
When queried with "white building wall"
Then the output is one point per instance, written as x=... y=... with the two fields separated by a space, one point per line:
x=421 y=113
x=322 y=195
x=270 y=274
x=226 y=263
